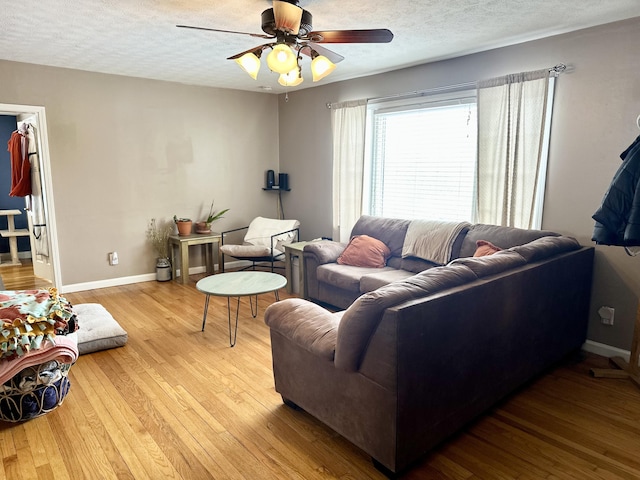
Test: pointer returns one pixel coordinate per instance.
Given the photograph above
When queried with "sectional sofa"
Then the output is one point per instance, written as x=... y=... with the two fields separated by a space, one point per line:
x=412 y=361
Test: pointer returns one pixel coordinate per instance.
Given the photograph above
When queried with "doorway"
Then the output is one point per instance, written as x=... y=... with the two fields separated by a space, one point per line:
x=40 y=212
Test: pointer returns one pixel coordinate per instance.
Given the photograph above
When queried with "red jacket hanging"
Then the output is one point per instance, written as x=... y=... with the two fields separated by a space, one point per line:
x=20 y=166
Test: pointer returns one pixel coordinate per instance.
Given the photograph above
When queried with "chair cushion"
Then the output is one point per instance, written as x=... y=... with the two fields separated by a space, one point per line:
x=261 y=229
x=249 y=251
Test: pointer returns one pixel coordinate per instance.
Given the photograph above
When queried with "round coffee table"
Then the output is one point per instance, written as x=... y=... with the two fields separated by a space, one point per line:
x=239 y=284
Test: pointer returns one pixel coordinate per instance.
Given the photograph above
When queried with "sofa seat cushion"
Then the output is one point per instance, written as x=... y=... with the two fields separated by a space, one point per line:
x=346 y=277
x=371 y=281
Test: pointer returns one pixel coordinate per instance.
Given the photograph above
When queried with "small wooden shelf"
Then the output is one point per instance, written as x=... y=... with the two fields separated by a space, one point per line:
x=276 y=189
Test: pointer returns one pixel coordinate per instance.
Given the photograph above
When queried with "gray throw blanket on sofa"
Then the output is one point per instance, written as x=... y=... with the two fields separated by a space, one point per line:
x=432 y=240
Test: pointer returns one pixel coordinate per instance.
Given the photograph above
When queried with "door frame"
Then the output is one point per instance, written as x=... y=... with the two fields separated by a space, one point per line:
x=45 y=165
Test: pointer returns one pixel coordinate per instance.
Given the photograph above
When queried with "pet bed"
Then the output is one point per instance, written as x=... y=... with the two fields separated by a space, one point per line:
x=98 y=329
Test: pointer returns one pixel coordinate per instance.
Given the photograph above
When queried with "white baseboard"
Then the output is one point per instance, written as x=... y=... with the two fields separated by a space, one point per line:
x=605 y=350
x=111 y=282
x=147 y=277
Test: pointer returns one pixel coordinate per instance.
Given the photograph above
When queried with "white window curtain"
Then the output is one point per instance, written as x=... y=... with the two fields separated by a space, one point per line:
x=348 y=121
x=514 y=117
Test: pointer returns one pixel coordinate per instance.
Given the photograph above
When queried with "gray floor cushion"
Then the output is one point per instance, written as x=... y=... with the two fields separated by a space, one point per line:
x=98 y=329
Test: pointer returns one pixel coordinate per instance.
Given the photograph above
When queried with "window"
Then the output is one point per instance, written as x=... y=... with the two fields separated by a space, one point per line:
x=421 y=158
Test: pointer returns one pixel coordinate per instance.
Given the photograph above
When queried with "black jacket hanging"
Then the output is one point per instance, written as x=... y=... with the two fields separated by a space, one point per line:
x=618 y=218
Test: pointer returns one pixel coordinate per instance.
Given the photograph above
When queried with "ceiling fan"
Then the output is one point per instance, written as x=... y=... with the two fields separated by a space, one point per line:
x=290 y=26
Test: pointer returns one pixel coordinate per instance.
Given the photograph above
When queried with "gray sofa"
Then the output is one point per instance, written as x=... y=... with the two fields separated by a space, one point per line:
x=339 y=285
x=411 y=362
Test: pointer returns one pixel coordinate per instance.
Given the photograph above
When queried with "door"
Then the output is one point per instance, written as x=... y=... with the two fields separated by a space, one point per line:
x=36 y=205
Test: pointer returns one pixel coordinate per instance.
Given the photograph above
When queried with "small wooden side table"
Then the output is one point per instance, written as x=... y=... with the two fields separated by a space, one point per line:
x=291 y=251
x=183 y=242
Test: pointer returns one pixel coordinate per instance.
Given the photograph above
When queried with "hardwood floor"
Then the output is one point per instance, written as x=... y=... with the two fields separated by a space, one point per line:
x=176 y=402
x=20 y=277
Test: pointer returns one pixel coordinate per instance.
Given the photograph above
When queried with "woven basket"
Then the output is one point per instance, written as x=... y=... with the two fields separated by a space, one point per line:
x=34 y=391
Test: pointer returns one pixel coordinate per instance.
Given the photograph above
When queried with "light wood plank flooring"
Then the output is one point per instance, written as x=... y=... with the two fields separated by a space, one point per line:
x=20 y=277
x=176 y=402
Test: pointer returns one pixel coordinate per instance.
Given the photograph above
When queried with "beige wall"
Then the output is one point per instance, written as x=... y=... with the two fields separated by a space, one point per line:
x=124 y=150
x=596 y=105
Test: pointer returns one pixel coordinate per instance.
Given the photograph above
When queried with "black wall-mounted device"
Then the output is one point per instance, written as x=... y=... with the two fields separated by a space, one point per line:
x=283 y=181
x=271 y=179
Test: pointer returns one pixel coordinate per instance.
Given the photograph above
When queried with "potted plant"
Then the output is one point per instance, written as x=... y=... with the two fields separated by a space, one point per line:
x=158 y=235
x=184 y=225
x=205 y=225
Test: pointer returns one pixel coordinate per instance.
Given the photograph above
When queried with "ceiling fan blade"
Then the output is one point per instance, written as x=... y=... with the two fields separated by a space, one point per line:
x=378 y=35
x=331 y=55
x=287 y=16
x=258 y=35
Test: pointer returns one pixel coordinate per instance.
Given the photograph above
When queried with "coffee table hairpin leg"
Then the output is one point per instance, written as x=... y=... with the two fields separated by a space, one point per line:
x=254 y=314
x=232 y=340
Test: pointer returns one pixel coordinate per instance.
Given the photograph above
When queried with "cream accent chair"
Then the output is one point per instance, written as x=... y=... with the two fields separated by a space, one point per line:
x=263 y=243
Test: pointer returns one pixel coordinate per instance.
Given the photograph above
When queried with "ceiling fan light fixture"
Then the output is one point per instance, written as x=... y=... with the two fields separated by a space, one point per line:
x=291 y=79
x=321 y=66
x=250 y=63
x=287 y=17
x=281 y=59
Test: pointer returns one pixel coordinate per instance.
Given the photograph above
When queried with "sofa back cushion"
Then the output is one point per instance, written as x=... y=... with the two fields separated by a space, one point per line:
x=361 y=319
x=490 y=264
x=546 y=247
x=391 y=231
x=503 y=237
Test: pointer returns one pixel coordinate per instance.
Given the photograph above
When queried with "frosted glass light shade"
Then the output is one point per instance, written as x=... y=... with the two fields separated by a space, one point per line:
x=321 y=66
x=291 y=79
x=250 y=63
x=287 y=16
x=282 y=59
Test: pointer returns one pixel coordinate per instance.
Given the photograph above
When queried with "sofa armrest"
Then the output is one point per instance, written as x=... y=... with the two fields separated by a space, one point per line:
x=324 y=251
x=306 y=324
x=314 y=255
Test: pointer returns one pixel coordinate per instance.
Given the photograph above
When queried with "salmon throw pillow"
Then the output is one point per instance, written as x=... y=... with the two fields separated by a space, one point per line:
x=484 y=248
x=365 y=251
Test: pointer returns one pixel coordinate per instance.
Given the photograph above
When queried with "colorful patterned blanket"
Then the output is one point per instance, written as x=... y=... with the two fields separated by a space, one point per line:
x=30 y=316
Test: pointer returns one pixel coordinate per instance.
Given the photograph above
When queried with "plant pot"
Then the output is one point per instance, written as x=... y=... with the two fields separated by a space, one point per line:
x=203 y=227
x=184 y=228
x=163 y=269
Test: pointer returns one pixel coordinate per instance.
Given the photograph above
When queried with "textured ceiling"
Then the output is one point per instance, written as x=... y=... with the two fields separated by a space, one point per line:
x=139 y=38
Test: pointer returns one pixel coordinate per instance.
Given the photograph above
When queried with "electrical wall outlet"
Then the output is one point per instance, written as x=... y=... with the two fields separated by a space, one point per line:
x=606 y=315
x=113 y=258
